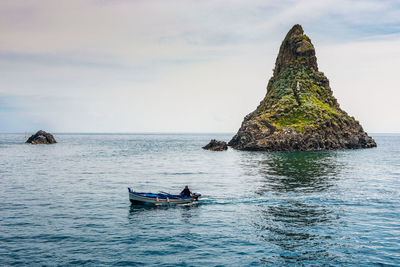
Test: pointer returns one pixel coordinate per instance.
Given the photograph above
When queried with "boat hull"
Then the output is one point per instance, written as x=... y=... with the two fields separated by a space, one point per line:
x=159 y=199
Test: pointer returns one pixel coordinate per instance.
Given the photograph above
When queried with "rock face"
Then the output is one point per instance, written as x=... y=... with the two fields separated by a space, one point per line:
x=41 y=137
x=215 y=145
x=299 y=112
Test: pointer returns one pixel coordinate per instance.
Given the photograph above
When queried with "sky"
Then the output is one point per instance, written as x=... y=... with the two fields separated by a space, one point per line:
x=185 y=65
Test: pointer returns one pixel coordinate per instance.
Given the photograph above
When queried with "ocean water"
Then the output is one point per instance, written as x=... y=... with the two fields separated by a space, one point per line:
x=67 y=204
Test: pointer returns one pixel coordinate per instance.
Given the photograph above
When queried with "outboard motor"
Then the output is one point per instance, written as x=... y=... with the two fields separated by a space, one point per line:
x=196 y=195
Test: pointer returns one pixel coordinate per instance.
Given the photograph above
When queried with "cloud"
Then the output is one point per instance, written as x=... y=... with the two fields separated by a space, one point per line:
x=363 y=78
x=179 y=65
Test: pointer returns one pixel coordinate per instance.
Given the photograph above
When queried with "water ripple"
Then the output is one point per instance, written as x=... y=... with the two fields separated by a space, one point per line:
x=67 y=204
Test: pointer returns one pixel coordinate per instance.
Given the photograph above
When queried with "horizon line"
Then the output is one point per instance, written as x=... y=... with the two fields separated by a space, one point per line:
x=162 y=132
x=149 y=132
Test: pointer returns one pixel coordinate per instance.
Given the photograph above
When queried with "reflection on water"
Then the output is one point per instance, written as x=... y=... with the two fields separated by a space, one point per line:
x=304 y=171
x=187 y=212
x=296 y=228
x=295 y=217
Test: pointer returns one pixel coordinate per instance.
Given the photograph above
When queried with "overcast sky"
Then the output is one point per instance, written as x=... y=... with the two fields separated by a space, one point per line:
x=185 y=66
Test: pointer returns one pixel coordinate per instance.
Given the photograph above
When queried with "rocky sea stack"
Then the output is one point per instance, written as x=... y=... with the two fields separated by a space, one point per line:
x=41 y=137
x=299 y=112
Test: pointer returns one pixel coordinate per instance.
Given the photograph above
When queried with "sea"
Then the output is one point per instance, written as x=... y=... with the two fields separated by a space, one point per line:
x=67 y=204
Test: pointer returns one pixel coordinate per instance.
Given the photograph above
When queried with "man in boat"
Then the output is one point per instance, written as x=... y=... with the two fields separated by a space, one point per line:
x=186 y=192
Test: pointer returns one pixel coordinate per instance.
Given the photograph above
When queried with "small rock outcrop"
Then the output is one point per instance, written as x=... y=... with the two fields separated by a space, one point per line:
x=299 y=111
x=215 y=145
x=41 y=137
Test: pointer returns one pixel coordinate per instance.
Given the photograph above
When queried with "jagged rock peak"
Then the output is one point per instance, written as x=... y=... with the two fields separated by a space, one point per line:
x=296 y=49
x=299 y=111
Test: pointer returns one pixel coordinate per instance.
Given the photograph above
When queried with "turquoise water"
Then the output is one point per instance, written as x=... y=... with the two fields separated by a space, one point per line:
x=67 y=204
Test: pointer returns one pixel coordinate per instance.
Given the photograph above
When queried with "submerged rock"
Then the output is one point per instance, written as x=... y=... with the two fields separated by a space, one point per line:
x=41 y=137
x=215 y=145
x=299 y=111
